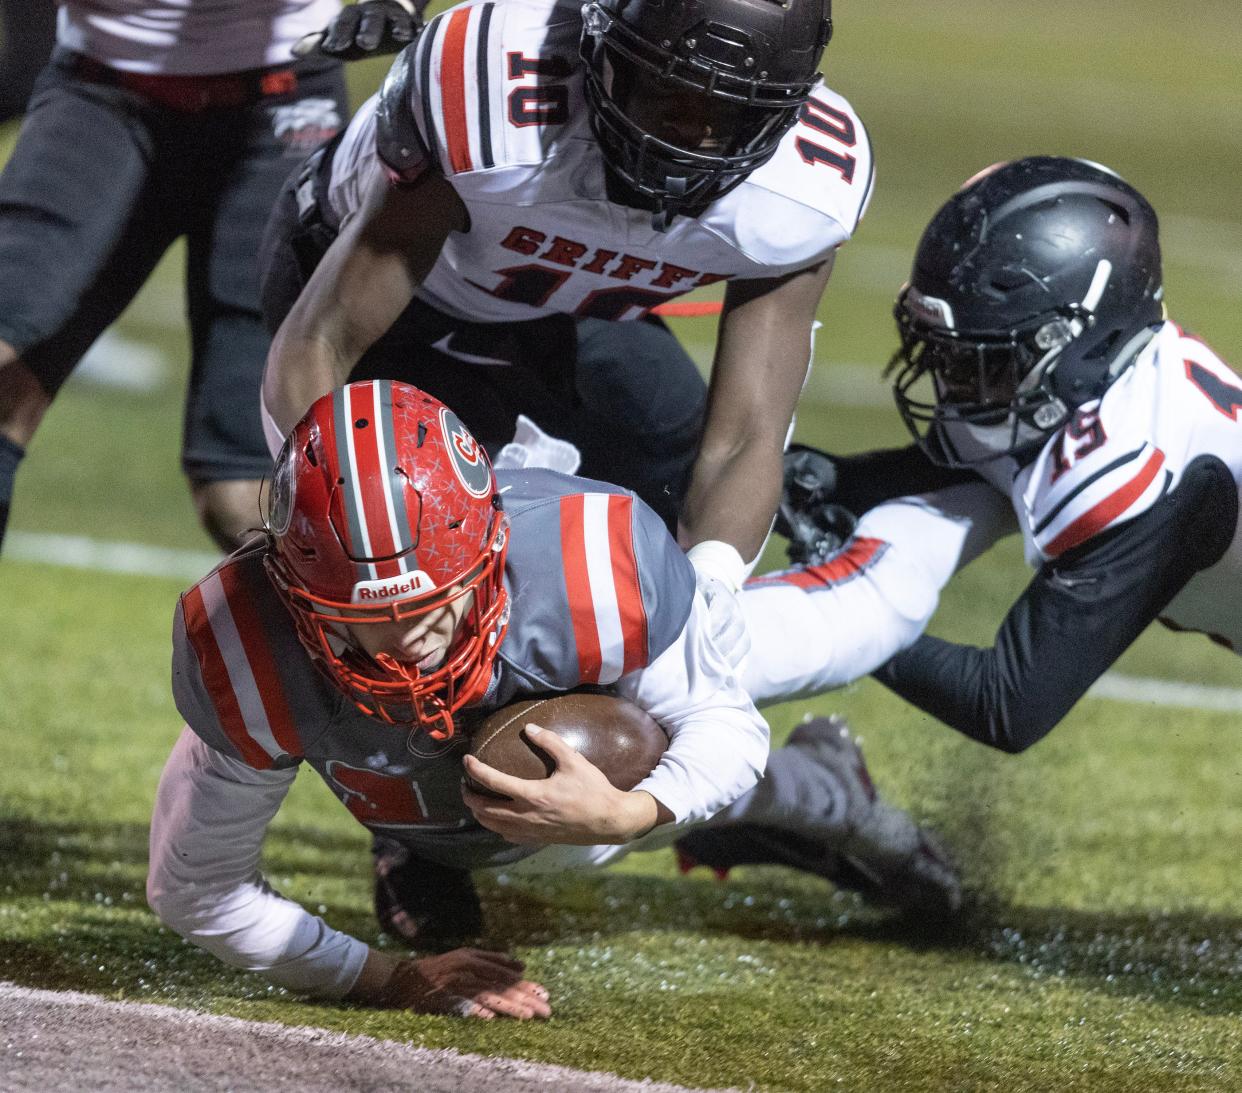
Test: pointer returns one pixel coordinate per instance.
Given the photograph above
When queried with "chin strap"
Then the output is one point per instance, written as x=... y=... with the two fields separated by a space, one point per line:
x=670 y=204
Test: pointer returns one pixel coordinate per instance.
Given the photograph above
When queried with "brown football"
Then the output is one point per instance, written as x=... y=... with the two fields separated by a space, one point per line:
x=624 y=741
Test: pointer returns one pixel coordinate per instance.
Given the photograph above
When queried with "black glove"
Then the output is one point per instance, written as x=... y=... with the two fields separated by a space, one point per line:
x=814 y=524
x=369 y=28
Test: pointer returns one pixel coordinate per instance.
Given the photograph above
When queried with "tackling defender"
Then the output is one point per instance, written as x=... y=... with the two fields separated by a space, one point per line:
x=402 y=585
x=536 y=173
x=1036 y=353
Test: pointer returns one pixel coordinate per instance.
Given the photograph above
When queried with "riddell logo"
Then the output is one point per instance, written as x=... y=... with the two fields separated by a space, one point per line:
x=385 y=591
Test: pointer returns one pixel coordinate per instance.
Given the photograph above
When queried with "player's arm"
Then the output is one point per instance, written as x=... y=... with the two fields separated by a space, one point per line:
x=211 y=814
x=817 y=627
x=1078 y=615
x=718 y=740
x=365 y=280
x=761 y=360
x=718 y=746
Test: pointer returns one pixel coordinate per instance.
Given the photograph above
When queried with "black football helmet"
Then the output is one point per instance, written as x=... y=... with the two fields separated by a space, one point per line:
x=687 y=97
x=1032 y=289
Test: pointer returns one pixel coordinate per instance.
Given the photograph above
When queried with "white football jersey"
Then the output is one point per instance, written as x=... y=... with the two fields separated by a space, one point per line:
x=190 y=37
x=495 y=95
x=1119 y=455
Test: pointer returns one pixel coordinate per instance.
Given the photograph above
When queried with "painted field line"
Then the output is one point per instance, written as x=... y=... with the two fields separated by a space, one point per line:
x=78 y=552
x=1166 y=692
x=66 y=1040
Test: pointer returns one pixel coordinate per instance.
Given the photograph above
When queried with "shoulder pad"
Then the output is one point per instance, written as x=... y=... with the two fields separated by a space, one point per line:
x=1086 y=481
x=810 y=197
x=235 y=657
x=398 y=141
x=599 y=586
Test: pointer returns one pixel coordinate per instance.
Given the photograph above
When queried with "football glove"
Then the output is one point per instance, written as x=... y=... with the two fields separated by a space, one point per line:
x=369 y=28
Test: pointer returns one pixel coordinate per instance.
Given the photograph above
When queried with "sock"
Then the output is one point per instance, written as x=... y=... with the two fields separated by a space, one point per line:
x=796 y=794
x=10 y=456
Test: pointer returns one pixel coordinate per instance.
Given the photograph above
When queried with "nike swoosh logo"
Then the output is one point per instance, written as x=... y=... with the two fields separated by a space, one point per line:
x=470 y=358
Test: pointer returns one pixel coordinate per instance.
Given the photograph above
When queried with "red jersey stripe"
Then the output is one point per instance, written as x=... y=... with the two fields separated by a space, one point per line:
x=217 y=682
x=688 y=309
x=851 y=561
x=578 y=589
x=267 y=678
x=1095 y=519
x=453 y=91
x=630 y=607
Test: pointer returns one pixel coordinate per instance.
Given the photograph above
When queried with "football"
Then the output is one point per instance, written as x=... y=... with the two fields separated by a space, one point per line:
x=624 y=741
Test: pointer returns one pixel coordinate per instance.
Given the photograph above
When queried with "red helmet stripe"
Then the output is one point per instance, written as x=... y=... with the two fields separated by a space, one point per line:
x=630 y=607
x=578 y=588
x=373 y=401
x=359 y=545
x=403 y=532
x=371 y=477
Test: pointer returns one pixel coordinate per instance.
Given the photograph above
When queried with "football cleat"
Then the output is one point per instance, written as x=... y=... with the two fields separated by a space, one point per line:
x=878 y=850
x=429 y=907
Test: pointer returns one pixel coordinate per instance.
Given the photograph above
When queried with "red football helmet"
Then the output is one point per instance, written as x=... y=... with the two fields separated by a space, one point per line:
x=384 y=508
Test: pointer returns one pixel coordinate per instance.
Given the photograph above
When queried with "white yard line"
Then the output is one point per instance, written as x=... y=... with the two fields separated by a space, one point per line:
x=188 y=565
x=54 y=1040
x=78 y=552
x=1167 y=692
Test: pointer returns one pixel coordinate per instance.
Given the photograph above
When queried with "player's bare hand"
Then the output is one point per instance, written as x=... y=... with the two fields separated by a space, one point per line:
x=462 y=983
x=575 y=804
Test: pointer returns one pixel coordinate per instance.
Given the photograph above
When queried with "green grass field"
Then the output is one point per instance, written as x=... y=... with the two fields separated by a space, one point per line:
x=1103 y=945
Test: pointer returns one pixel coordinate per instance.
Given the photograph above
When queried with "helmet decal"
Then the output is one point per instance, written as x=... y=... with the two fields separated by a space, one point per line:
x=467 y=457
x=390 y=591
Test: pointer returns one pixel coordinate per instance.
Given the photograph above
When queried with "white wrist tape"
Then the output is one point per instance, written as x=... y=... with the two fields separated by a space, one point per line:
x=715 y=558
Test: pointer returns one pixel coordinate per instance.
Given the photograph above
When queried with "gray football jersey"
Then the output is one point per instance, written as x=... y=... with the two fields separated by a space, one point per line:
x=598 y=589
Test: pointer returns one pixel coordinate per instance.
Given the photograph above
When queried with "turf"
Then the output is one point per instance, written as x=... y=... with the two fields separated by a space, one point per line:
x=1102 y=944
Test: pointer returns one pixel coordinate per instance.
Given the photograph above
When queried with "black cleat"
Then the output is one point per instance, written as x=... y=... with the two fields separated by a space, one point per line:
x=879 y=851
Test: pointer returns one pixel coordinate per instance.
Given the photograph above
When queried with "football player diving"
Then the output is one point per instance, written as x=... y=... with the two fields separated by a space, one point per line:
x=534 y=177
x=1036 y=355
x=403 y=585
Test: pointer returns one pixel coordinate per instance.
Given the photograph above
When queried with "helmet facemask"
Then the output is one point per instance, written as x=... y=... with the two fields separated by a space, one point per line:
x=972 y=397
x=388 y=689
